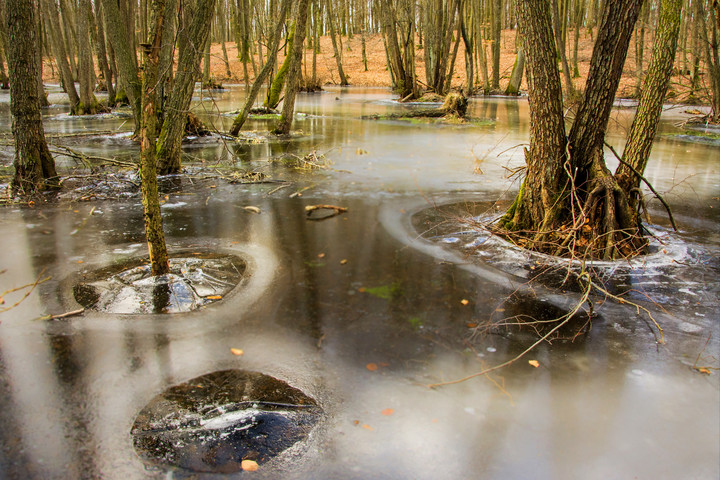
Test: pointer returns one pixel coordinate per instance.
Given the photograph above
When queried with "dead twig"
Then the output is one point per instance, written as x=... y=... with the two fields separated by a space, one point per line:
x=563 y=320
x=30 y=288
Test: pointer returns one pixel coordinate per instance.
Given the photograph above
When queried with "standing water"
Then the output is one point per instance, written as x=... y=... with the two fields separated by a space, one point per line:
x=351 y=318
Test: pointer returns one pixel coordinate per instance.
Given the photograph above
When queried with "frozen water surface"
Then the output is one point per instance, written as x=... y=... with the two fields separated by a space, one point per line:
x=359 y=312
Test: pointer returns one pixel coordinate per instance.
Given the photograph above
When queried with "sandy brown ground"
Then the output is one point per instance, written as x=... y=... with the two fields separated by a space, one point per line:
x=378 y=76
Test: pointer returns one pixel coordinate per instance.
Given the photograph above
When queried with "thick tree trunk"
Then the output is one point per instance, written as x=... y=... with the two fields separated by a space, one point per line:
x=545 y=185
x=157 y=249
x=264 y=72
x=569 y=201
x=657 y=79
x=288 y=111
x=176 y=109
x=34 y=165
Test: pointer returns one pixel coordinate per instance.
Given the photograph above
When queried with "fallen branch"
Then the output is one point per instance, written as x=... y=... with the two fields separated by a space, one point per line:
x=334 y=209
x=63 y=315
x=563 y=320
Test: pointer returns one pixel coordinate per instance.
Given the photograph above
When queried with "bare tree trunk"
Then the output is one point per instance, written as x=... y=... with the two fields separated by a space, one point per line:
x=102 y=54
x=176 y=109
x=123 y=48
x=34 y=165
x=264 y=72
x=647 y=117
x=336 y=50
x=61 y=57
x=86 y=70
x=513 y=87
x=157 y=249
x=288 y=111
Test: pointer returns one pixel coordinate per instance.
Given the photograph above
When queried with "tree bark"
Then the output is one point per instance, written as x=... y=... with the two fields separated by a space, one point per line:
x=157 y=248
x=336 y=50
x=264 y=71
x=569 y=202
x=176 y=109
x=288 y=111
x=34 y=165
x=657 y=79
x=61 y=57
x=86 y=70
x=125 y=57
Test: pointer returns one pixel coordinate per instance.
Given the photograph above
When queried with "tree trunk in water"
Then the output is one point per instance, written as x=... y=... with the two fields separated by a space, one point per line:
x=273 y=94
x=61 y=57
x=86 y=70
x=125 y=56
x=34 y=166
x=336 y=50
x=288 y=111
x=264 y=72
x=176 y=109
x=513 y=87
x=657 y=79
x=496 y=37
x=155 y=236
x=103 y=56
x=569 y=201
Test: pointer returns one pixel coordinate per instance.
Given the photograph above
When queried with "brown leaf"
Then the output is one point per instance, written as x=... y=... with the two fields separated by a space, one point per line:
x=249 y=465
x=237 y=351
x=534 y=363
x=343 y=261
x=371 y=366
x=471 y=324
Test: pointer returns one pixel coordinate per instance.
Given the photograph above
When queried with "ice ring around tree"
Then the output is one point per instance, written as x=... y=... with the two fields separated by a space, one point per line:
x=195 y=280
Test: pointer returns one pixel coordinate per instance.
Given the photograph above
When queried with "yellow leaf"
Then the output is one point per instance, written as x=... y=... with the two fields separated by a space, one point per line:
x=249 y=465
x=214 y=297
x=534 y=363
x=237 y=351
x=321 y=255
x=343 y=261
x=387 y=412
x=368 y=427
x=464 y=301
x=703 y=370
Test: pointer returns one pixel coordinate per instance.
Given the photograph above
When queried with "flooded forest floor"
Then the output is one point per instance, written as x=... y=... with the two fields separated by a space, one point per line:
x=318 y=362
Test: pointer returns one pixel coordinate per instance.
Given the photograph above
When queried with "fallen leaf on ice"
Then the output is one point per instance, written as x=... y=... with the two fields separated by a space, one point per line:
x=387 y=412
x=464 y=301
x=343 y=261
x=251 y=209
x=534 y=363
x=214 y=297
x=368 y=427
x=237 y=351
x=321 y=255
x=249 y=465
x=371 y=366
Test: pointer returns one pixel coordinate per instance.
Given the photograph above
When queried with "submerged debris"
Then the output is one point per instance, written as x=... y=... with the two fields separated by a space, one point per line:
x=223 y=421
